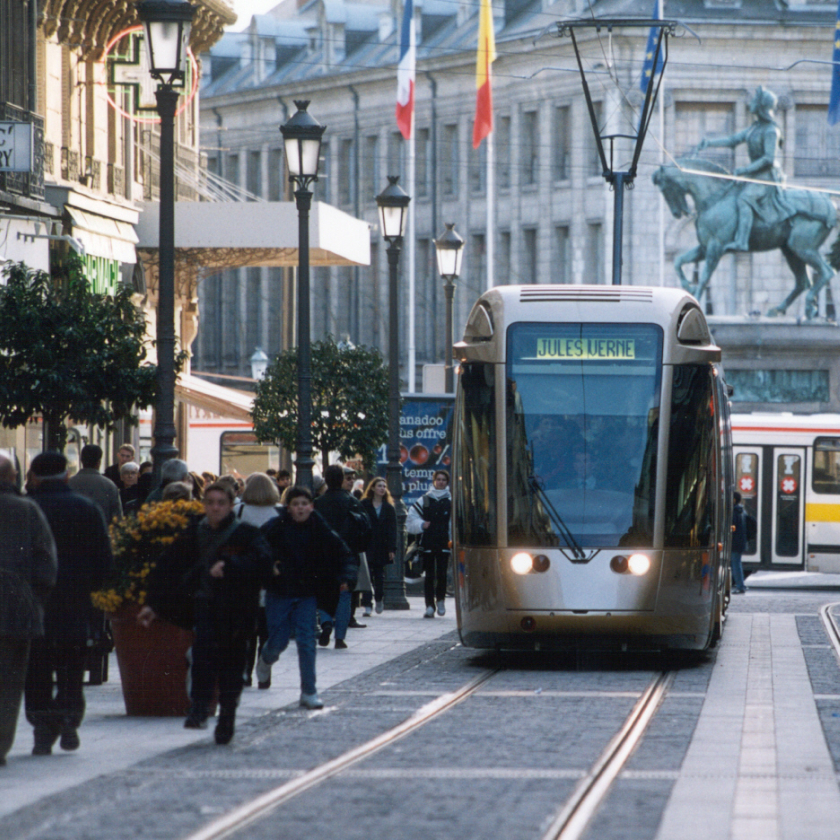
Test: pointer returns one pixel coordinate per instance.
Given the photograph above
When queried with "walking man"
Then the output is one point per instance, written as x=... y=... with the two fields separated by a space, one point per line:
x=27 y=575
x=84 y=561
x=91 y=483
x=309 y=559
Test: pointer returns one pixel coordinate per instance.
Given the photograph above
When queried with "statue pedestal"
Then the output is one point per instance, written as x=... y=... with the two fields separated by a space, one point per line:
x=777 y=364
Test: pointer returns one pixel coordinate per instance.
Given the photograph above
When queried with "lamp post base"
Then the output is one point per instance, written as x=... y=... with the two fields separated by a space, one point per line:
x=395 y=573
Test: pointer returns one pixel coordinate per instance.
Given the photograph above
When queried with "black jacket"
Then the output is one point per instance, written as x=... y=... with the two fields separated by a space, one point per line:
x=84 y=561
x=739 y=535
x=335 y=507
x=182 y=591
x=384 y=539
x=309 y=558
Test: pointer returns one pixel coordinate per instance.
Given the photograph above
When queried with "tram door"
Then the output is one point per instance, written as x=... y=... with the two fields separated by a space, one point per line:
x=771 y=482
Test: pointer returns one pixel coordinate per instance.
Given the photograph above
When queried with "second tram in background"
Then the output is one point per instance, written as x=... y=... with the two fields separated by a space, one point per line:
x=593 y=474
x=787 y=469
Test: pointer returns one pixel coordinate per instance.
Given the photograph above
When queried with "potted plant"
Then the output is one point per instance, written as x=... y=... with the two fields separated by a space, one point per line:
x=152 y=661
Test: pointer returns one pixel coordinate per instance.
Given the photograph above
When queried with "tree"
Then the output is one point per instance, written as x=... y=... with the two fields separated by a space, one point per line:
x=67 y=352
x=349 y=401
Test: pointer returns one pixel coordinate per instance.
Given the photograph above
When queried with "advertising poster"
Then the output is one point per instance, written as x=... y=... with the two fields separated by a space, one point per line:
x=425 y=442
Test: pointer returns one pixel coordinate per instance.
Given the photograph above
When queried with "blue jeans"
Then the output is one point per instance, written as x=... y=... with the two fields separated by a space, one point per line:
x=342 y=616
x=737 y=571
x=281 y=615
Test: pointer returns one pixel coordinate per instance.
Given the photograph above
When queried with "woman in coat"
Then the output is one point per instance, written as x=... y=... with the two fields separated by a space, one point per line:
x=379 y=506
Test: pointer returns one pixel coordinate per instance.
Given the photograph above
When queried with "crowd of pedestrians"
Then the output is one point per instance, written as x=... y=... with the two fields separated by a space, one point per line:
x=266 y=562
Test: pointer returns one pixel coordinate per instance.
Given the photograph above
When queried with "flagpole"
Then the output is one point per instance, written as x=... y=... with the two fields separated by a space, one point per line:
x=661 y=162
x=490 y=238
x=412 y=240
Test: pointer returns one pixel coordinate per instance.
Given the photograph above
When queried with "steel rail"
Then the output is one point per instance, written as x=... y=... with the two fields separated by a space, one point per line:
x=591 y=791
x=243 y=816
x=831 y=627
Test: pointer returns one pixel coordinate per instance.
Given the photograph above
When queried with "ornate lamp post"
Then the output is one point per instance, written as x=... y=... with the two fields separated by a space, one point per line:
x=302 y=139
x=393 y=211
x=259 y=363
x=450 y=251
x=167 y=27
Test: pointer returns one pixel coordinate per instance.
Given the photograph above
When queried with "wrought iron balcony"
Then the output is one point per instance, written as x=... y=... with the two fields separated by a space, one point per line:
x=27 y=184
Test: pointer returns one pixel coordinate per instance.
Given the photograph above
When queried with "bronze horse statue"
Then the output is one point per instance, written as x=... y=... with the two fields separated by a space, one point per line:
x=798 y=237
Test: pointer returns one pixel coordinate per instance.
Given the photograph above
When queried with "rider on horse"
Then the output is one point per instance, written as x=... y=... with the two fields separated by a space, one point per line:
x=763 y=139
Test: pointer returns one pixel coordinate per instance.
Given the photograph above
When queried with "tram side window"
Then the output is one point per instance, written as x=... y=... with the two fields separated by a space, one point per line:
x=689 y=509
x=475 y=492
x=826 y=477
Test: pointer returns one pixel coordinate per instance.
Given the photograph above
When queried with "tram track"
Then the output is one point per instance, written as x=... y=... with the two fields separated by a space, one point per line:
x=831 y=626
x=569 y=824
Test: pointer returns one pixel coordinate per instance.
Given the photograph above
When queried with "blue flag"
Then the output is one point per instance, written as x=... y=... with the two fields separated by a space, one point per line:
x=650 y=51
x=834 y=102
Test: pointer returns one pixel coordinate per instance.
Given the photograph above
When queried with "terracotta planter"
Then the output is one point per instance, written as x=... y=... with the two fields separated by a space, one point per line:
x=153 y=664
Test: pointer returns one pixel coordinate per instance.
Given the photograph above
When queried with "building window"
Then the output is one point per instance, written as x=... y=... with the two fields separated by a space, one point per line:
x=396 y=157
x=422 y=156
x=254 y=174
x=276 y=173
x=779 y=386
x=695 y=120
x=503 y=153
x=325 y=186
x=449 y=160
x=254 y=308
x=528 y=261
x=529 y=147
x=560 y=145
x=817 y=143
x=561 y=269
x=595 y=166
x=369 y=170
x=502 y=269
x=478 y=169
x=232 y=169
x=594 y=253
x=476 y=276
x=346 y=179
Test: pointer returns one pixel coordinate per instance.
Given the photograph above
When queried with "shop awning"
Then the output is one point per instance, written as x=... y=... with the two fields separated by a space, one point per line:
x=226 y=402
x=104 y=237
x=214 y=236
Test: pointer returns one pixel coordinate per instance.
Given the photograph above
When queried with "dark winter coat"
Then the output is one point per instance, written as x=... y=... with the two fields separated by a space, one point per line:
x=28 y=565
x=335 y=507
x=739 y=535
x=384 y=539
x=182 y=591
x=435 y=507
x=309 y=558
x=84 y=562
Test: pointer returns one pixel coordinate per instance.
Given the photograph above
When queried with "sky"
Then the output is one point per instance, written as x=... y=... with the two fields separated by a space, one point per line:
x=245 y=8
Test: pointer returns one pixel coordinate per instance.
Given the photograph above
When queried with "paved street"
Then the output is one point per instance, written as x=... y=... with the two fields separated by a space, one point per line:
x=750 y=732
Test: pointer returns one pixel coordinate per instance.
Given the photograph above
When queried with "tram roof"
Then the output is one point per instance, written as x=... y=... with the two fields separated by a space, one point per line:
x=687 y=335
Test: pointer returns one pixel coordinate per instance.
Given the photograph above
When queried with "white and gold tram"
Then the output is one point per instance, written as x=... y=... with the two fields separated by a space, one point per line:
x=592 y=476
x=787 y=469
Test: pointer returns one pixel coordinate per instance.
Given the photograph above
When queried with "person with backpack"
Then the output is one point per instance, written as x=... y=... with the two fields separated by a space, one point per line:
x=430 y=517
x=739 y=545
x=345 y=515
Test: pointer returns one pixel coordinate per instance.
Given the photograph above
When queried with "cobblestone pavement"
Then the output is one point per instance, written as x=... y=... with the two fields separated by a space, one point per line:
x=500 y=764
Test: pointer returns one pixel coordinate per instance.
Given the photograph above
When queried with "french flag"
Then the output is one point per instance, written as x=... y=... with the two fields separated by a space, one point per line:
x=405 y=71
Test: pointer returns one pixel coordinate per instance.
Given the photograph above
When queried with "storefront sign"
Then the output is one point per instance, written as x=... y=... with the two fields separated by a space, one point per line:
x=104 y=274
x=16 y=147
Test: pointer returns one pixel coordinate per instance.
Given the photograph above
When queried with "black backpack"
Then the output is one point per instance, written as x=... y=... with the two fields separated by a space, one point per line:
x=750 y=527
x=359 y=530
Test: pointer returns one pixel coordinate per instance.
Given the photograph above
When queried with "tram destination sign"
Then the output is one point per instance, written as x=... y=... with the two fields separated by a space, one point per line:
x=586 y=348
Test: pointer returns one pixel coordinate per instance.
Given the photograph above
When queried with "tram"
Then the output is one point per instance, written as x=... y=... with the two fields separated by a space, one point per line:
x=787 y=469
x=592 y=471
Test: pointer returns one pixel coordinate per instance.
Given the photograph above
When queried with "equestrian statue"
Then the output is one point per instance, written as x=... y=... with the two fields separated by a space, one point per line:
x=749 y=216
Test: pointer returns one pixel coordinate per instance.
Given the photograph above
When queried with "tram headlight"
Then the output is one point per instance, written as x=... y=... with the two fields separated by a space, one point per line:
x=638 y=564
x=521 y=563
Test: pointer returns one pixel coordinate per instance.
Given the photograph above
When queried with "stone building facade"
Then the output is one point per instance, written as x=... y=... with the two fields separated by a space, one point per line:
x=553 y=210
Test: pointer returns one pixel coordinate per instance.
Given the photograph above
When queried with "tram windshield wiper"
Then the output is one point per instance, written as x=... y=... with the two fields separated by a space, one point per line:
x=537 y=489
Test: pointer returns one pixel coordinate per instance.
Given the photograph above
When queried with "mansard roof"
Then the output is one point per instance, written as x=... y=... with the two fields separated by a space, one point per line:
x=324 y=38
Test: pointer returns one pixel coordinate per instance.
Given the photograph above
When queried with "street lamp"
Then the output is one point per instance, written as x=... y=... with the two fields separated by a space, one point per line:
x=450 y=251
x=167 y=28
x=302 y=140
x=259 y=364
x=393 y=211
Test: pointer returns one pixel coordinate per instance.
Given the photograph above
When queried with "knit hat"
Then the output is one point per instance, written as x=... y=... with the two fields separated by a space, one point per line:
x=49 y=465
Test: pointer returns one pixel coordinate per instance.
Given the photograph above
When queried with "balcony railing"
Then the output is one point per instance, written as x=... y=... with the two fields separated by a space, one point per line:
x=28 y=184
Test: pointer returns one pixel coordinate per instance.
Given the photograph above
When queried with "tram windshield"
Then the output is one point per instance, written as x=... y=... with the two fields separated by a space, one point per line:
x=582 y=419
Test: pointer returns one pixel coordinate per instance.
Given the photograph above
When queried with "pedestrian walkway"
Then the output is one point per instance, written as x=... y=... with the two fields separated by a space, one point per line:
x=758 y=765
x=111 y=741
